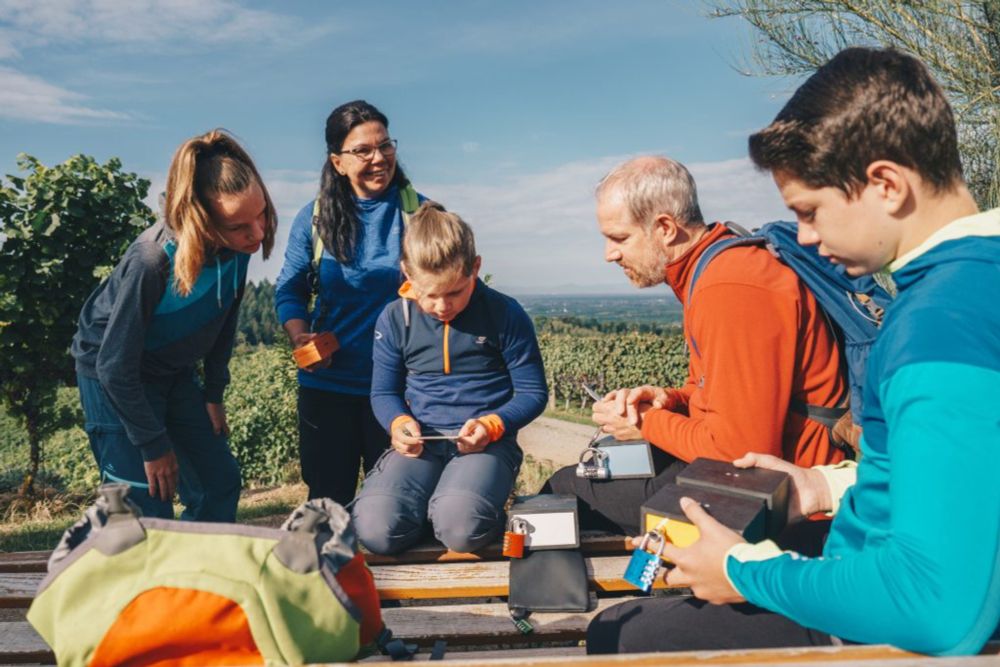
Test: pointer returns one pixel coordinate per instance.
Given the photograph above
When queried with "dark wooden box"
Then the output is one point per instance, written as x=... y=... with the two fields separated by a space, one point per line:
x=662 y=512
x=769 y=486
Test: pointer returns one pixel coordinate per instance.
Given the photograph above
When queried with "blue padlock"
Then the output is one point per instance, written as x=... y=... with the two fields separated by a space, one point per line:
x=643 y=565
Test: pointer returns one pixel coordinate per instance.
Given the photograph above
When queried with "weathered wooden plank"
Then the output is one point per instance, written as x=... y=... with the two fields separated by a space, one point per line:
x=482 y=579
x=18 y=589
x=464 y=625
x=471 y=624
x=401 y=582
x=19 y=643
x=834 y=656
x=488 y=624
x=512 y=651
x=24 y=561
x=591 y=543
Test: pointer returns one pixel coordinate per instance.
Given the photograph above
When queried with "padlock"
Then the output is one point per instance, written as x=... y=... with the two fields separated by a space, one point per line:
x=513 y=539
x=593 y=464
x=643 y=565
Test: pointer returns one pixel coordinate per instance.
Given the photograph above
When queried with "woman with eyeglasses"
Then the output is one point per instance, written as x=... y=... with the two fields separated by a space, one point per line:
x=341 y=269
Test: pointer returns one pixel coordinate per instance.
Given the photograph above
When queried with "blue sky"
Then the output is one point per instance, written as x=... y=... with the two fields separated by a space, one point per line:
x=507 y=112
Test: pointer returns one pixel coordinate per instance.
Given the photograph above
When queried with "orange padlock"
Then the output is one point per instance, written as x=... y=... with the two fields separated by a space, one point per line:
x=316 y=350
x=513 y=539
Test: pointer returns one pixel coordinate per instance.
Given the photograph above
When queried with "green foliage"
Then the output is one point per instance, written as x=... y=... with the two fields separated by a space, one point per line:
x=258 y=324
x=611 y=361
x=261 y=404
x=261 y=410
x=959 y=40
x=67 y=464
x=63 y=228
x=591 y=325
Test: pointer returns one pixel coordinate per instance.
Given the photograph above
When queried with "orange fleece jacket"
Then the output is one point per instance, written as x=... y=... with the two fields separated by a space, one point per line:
x=761 y=340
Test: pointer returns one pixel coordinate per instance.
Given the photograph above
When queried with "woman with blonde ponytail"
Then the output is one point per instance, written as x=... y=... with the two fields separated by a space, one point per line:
x=172 y=302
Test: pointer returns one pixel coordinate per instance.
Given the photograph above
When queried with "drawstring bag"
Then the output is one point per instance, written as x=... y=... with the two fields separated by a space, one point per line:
x=123 y=589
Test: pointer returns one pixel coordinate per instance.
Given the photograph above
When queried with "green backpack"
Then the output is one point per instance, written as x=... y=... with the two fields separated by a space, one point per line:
x=122 y=589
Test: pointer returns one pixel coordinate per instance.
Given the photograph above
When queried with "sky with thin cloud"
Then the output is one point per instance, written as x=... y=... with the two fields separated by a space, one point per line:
x=507 y=112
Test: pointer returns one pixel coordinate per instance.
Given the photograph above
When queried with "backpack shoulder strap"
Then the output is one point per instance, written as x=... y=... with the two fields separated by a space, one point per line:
x=742 y=238
x=409 y=201
x=317 y=242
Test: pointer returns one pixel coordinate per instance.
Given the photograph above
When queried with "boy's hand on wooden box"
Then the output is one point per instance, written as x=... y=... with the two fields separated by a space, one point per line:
x=702 y=566
x=809 y=492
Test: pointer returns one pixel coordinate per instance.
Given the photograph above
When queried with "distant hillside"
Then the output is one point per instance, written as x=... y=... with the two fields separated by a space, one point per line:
x=642 y=312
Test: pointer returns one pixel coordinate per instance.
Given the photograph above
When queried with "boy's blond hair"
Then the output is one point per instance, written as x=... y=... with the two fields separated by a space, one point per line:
x=437 y=241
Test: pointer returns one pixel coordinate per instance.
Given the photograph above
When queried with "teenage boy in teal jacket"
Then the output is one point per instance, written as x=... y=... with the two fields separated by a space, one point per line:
x=866 y=156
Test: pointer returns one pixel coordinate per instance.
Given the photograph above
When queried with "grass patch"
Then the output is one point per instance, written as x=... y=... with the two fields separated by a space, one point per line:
x=572 y=415
x=533 y=474
x=37 y=524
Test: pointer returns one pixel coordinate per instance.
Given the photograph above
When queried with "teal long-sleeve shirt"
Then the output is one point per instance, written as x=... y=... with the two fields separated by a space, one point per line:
x=913 y=557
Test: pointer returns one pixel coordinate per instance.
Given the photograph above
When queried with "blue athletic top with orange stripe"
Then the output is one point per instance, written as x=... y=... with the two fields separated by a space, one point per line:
x=484 y=362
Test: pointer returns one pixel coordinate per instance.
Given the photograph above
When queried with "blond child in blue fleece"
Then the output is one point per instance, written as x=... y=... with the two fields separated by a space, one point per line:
x=453 y=357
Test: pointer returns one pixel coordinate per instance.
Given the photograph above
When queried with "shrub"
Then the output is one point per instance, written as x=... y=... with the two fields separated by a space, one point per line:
x=611 y=361
x=262 y=413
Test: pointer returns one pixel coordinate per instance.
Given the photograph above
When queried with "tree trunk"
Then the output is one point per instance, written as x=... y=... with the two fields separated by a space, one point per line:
x=35 y=443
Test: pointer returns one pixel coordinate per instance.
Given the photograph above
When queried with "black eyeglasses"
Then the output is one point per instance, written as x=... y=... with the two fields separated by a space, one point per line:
x=367 y=153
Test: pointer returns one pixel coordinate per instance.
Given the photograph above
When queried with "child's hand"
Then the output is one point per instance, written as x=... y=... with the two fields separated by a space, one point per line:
x=406 y=439
x=473 y=437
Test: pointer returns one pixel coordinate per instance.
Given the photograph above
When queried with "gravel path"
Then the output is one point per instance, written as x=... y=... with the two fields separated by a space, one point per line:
x=555 y=440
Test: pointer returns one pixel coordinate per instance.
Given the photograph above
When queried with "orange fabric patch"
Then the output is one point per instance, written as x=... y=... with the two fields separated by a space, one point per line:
x=178 y=626
x=494 y=426
x=399 y=420
x=357 y=581
x=447 y=358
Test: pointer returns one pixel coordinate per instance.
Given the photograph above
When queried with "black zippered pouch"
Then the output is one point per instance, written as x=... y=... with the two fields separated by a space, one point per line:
x=553 y=580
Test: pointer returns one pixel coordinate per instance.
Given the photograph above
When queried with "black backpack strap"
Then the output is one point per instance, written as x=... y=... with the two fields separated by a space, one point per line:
x=394 y=648
x=437 y=653
x=828 y=417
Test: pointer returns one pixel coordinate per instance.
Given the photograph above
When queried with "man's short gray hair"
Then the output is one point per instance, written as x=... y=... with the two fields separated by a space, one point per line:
x=652 y=185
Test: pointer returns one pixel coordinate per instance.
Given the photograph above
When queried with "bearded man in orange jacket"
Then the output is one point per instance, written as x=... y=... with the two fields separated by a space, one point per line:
x=760 y=347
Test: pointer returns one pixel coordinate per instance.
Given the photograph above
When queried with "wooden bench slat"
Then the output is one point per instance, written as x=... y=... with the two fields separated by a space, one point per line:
x=516 y=652
x=841 y=656
x=424 y=624
x=482 y=579
x=591 y=543
x=457 y=624
x=486 y=624
x=22 y=644
x=24 y=561
x=401 y=582
x=18 y=589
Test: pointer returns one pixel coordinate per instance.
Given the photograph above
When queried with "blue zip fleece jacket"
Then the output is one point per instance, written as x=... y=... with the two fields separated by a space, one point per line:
x=350 y=296
x=135 y=326
x=485 y=361
x=913 y=557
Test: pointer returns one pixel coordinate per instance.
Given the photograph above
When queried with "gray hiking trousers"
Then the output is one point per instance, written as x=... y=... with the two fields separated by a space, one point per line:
x=461 y=495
